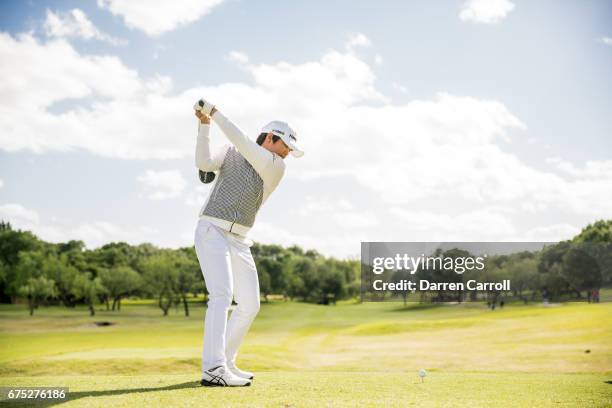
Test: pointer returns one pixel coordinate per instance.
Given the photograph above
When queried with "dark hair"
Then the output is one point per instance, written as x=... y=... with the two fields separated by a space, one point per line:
x=262 y=137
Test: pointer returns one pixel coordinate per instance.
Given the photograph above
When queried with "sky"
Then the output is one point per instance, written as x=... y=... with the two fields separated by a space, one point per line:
x=479 y=120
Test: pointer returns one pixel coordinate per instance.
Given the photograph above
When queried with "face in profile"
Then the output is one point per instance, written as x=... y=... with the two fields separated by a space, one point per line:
x=279 y=147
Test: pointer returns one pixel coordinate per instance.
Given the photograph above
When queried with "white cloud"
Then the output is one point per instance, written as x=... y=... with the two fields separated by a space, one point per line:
x=156 y=17
x=340 y=243
x=19 y=213
x=1 y=183
x=66 y=74
x=357 y=40
x=98 y=233
x=484 y=224
x=127 y=116
x=485 y=11
x=239 y=57
x=446 y=155
x=161 y=185
x=592 y=169
x=378 y=59
x=550 y=233
x=606 y=40
x=120 y=114
x=94 y=234
x=28 y=220
x=75 y=23
x=340 y=213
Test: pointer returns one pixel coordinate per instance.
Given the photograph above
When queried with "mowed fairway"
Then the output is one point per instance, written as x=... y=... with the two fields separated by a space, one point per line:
x=310 y=355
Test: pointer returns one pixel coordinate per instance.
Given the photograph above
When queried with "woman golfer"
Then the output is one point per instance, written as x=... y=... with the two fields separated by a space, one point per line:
x=248 y=172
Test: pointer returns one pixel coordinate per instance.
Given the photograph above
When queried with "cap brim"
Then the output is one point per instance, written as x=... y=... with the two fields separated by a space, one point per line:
x=295 y=151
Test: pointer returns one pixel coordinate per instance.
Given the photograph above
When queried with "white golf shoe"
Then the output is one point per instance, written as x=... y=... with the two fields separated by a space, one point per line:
x=220 y=376
x=241 y=373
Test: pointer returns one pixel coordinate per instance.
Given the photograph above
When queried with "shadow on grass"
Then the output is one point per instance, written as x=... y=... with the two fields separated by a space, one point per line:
x=72 y=396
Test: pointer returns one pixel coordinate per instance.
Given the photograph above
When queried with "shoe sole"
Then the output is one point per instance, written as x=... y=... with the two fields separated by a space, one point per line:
x=249 y=378
x=206 y=383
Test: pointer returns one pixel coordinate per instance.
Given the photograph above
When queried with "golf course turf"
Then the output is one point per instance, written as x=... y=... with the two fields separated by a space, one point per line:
x=308 y=355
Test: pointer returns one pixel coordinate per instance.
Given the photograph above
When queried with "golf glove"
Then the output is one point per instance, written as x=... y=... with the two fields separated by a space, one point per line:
x=203 y=106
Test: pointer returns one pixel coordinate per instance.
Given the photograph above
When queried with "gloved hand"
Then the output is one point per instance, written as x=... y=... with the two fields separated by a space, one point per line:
x=203 y=106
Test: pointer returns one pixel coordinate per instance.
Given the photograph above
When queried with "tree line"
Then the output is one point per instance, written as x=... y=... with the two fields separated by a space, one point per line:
x=70 y=274
x=572 y=269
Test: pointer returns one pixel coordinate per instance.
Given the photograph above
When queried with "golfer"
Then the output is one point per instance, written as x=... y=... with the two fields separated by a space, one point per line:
x=248 y=172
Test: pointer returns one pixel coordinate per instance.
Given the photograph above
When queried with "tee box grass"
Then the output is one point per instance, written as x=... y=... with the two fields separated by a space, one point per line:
x=307 y=355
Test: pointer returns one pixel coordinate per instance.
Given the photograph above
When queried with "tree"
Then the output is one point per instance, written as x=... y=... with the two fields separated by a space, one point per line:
x=37 y=290
x=331 y=280
x=59 y=269
x=119 y=282
x=187 y=271
x=399 y=276
x=596 y=240
x=581 y=270
x=28 y=266
x=274 y=269
x=303 y=278
x=295 y=287
x=12 y=244
x=113 y=255
x=272 y=259
x=74 y=253
x=550 y=267
x=600 y=231
x=442 y=272
x=161 y=275
x=88 y=289
x=524 y=275
x=264 y=282
x=584 y=263
x=3 y=273
x=496 y=270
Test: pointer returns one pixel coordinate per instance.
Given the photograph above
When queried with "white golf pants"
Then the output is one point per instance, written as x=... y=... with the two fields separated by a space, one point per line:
x=229 y=272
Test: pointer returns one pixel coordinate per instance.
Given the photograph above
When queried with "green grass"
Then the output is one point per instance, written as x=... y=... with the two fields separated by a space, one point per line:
x=323 y=389
x=310 y=355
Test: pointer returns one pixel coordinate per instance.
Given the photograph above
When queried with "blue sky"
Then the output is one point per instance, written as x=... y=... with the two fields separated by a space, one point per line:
x=439 y=121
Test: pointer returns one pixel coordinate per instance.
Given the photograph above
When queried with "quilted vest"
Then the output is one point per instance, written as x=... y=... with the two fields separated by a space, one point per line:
x=238 y=192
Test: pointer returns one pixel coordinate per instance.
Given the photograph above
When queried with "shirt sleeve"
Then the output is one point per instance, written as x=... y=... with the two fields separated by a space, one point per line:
x=262 y=160
x=204 y=159
x=269 y=166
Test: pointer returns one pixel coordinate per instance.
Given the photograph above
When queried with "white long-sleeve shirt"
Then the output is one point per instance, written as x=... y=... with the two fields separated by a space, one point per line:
x=268 y=165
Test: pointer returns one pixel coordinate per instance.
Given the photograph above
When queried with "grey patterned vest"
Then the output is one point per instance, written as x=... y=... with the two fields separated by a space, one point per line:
x=238 y=193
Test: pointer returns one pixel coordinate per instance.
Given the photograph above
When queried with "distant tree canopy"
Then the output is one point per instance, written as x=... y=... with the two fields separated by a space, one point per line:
x=69 y=274
x=600 y=231
x=571 y=269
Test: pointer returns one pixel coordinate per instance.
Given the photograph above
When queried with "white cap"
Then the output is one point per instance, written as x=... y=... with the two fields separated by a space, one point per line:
x=286 y=133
